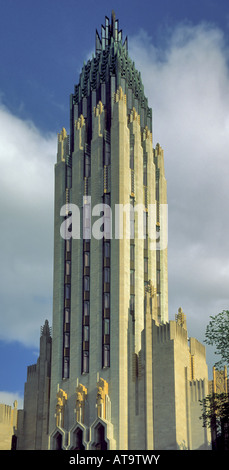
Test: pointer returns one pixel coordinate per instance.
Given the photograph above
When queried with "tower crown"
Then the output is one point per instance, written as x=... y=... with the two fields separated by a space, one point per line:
x=109 y=34
x=108 y=70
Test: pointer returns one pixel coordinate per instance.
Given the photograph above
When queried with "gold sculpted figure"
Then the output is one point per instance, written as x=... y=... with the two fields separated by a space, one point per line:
x=102 y=387
x=81 y=393
x=61 y=400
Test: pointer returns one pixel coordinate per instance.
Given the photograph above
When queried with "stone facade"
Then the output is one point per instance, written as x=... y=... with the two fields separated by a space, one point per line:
x=166 y=380
x=99 y=282
x=177 y=388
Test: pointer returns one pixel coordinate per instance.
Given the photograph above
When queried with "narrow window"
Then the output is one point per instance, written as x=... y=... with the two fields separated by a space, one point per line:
x=106 y=358
x=157 y=190
x=132 y=217
x=68 y=245
x=132 y=152
x=107 y=250
x=86 y=259
x=87 y=166
x=158 y=281
x=66 y=315
x=131 y=252
x=66 y=340
x=66 y=367
x=67 y=291
x=132 y=302
x=132 y=277
x=86 y=333
x=106 y=300
x=107 y=217
x=86 y=308
x=68 y=268
x=107 y=157
x=146 y=242
x=85 y=361
x=86 y=283
x=146 y=265
x=106 y=326
x=145 y=171
x=107 y=275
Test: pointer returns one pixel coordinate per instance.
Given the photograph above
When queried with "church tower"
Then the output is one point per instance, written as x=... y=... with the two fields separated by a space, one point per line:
x=110 y=248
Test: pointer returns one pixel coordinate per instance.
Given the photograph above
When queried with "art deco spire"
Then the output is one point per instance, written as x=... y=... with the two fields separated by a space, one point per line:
x=108 y=70
x=109 y=33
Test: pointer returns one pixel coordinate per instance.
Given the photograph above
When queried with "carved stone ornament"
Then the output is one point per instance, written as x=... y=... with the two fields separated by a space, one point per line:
x=81 y=393
x=102 y=392
x=61 y=400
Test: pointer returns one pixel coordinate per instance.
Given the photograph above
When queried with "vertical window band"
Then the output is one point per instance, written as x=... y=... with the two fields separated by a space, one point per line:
x=85 y=307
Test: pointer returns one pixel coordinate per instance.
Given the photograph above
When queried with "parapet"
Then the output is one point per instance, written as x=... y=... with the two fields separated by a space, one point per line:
x=197 y=348
x=197 y=390
x=170 y=331
x=31 y=370
x=7 y=413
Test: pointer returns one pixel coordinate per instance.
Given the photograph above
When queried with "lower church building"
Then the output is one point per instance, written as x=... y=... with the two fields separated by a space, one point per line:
x=116 y=373
x=166 y=380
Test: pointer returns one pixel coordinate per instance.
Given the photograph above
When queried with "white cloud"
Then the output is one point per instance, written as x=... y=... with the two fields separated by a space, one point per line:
x=26 y=238
x=187 y=84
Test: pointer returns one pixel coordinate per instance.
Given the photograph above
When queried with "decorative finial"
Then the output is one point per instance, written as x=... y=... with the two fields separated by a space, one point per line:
x=110 y=33
x=181 y=318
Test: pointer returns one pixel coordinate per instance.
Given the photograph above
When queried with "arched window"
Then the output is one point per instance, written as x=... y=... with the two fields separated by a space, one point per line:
x=58 y=441
x=78 y=439
x=100 y=443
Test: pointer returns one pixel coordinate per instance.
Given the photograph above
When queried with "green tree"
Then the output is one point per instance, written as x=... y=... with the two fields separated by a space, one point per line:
x=217 y=334
x=215 y=407
x=215 y=411
x=215 y=415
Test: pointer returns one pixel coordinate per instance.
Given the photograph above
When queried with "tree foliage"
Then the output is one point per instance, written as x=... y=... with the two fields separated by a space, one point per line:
x=215 y=407
x=217 y=334
x=215 y=411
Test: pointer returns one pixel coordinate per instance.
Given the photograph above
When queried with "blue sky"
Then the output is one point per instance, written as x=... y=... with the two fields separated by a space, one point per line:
x=182 y=50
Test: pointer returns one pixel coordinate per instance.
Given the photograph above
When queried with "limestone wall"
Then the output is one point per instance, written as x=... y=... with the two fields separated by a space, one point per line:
x=8 y=425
